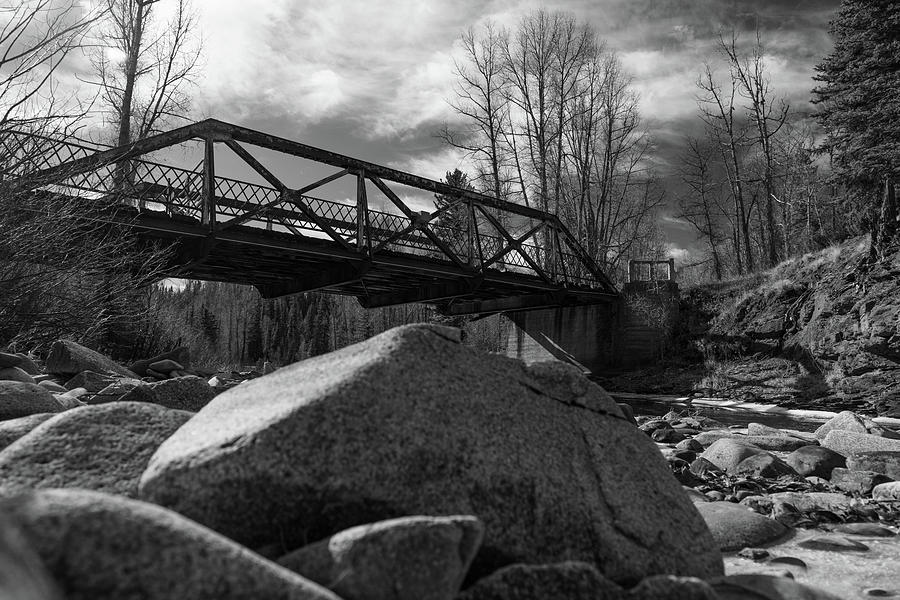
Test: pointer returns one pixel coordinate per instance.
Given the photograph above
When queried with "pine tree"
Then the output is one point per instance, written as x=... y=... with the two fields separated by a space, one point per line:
x=453 y=221
x=209 y=325
x=859 y=102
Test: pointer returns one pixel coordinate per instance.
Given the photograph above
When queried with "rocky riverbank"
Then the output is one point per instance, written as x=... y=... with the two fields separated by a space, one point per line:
x=409 y=466
x=818 y=331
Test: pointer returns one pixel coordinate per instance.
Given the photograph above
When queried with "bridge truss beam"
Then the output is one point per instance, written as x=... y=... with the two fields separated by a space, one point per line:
x=284 y=240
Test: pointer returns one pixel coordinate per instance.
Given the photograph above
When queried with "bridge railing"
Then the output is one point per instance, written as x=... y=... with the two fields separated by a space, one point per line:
x=484 y=234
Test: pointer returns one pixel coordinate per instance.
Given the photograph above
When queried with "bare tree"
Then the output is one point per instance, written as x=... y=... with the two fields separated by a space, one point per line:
x=768 y=115
x=625 y=189
x=149 y=88
x=64 y=270
x=800 y=195
x=700 y=208
x=36 y=36
x=576 y=46
x=566 y=133
x=582 y=141
x=717 y=110
x=530 y=67
x=481 y=100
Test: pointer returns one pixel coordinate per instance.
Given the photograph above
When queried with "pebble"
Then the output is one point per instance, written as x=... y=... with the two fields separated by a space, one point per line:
x=879 y=593
x=754 y=553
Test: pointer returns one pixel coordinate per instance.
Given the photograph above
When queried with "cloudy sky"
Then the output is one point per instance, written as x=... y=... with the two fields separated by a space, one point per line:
x=372 y=78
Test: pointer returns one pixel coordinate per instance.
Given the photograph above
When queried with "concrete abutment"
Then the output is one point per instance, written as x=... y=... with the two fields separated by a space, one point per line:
x=636 y=329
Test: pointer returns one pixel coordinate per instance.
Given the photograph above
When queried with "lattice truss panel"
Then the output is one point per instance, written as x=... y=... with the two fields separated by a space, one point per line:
x=468 y=233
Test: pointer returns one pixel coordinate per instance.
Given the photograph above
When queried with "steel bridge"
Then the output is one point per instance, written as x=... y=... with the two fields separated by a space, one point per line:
x=475 y=255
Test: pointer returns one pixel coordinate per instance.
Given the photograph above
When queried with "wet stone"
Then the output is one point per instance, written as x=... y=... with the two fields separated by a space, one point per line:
x=689 y=444
x=887 y=491
x=763 y=465
x=815 y=461
x=834 y=543
x=666 y=435
x=789 y=561
x=879 y=593
x=734 y=526
x=884 y=462
x=856 y=482
x=754 y=553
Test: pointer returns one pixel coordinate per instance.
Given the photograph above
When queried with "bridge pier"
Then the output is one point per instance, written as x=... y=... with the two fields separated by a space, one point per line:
x=582 y=335
x=637 y=329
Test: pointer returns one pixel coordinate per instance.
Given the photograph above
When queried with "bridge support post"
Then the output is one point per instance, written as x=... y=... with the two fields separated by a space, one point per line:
x=470 y=233
x=208 y=192
x=362 y=212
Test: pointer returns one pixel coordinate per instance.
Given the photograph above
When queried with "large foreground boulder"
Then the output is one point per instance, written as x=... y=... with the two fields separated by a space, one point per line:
x=70 y=358
x=104 y=448
x=410 y=558
x=103 y=547
x=19 y=399
x=413 y=422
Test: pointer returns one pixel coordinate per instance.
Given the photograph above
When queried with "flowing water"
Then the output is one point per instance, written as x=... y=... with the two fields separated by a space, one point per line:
x=849 y=575
x=727 y=412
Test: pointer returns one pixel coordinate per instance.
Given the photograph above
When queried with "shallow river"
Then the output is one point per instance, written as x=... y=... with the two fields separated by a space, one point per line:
x=728 y=413
x=852 y=575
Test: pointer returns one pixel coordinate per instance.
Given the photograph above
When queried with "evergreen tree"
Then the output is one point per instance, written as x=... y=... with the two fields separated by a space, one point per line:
x=457 y=179
x=209 y=324
x=453 y=222
x=859 y=102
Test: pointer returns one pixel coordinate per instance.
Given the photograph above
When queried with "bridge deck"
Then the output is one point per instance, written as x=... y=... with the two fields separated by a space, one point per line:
x=476 y=255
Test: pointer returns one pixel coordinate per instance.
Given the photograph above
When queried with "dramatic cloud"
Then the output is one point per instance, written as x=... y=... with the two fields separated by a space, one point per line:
x=373 y=79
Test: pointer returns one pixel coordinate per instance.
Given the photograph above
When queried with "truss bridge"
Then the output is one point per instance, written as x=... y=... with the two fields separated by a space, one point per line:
x=285 y=217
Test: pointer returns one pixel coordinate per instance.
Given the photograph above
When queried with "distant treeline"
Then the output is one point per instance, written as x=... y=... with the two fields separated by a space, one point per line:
x=232 y=326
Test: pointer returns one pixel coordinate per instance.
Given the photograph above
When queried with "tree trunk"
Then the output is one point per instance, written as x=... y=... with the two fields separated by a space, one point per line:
x=123 y=169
